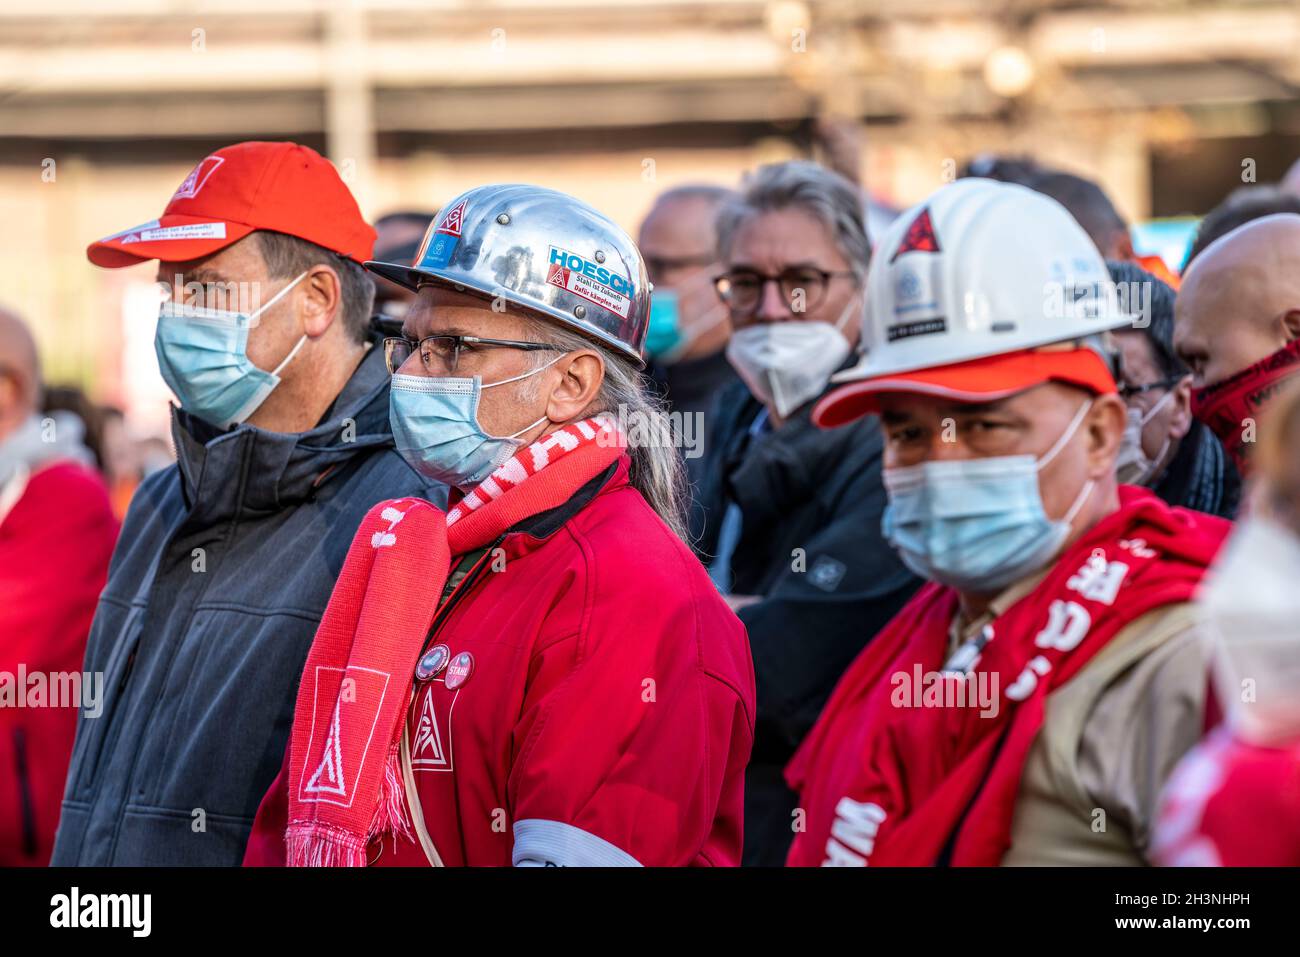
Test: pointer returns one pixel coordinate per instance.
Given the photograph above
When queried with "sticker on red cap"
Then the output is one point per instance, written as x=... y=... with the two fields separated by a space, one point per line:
x=198 y=178
x=188 y=231
x=919 y=238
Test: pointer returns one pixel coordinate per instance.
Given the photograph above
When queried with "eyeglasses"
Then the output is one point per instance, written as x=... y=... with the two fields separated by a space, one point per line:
x=440 y=355
x=1126 y=390
x=802 y=288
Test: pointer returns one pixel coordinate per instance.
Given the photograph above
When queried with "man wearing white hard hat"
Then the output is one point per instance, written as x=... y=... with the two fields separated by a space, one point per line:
x=1027 y=704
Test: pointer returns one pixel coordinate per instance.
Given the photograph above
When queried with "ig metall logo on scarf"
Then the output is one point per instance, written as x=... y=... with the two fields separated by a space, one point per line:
x=346 y=703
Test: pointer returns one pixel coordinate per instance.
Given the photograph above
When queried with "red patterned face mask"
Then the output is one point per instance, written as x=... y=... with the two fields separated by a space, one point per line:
x=1229 y=406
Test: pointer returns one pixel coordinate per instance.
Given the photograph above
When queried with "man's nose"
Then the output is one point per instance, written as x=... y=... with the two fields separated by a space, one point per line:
x=772 y=305
x=946 y=443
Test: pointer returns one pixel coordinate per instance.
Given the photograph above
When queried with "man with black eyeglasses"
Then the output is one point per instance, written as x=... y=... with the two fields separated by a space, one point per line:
x=788 y=515
x=503 y=659
x=1165 y=448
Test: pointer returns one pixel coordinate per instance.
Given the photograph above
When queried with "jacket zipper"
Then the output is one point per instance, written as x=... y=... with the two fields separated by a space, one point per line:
x=466 y=583
x=108 y=735
x=27 y=805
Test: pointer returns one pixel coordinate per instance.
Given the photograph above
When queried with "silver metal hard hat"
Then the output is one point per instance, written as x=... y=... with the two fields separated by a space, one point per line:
x=542 y=251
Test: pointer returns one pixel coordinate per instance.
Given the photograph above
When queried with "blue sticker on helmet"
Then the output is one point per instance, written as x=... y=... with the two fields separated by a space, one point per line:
x=441 y=246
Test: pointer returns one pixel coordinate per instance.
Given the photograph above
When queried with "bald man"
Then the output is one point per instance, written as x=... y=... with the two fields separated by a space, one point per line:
x=1237 y=326
x=57 y=532
x=689 y=326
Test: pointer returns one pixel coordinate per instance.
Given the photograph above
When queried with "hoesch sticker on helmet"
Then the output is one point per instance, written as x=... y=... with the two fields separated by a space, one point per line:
x=591 y=281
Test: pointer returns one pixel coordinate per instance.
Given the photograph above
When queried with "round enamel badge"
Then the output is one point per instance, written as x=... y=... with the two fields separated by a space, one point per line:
x=432 y=662
x=458 y=672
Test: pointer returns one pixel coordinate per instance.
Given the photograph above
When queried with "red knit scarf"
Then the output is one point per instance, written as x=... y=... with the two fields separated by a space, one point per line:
x=888 y=783
x=345 y=782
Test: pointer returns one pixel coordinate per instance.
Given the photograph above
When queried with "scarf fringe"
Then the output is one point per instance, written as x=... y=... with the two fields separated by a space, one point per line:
x=319 y=845
x=390 y=811
x=311 y=844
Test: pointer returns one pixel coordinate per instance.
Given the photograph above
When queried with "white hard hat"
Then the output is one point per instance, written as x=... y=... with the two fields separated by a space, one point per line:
x=963 y=292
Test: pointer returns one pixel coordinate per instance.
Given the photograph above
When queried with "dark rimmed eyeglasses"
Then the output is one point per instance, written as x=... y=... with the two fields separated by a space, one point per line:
x=1126 y=390
x=440 y=355
x=802 y=288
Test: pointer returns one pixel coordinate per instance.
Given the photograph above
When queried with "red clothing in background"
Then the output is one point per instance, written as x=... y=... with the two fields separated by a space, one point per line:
x=1231 y=804
x=55 y=545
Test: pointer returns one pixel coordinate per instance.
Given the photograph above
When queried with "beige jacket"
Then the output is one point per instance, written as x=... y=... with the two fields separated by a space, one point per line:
x=1110 y=738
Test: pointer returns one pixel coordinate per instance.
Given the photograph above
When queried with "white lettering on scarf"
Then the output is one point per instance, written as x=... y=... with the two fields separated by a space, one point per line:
x=529 y=461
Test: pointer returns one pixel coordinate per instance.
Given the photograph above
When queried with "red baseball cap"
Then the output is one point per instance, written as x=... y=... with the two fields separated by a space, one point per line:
x=283 y=187
x=986 y=379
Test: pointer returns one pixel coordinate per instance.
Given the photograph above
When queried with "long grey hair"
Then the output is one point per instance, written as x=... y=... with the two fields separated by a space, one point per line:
x=658 y=472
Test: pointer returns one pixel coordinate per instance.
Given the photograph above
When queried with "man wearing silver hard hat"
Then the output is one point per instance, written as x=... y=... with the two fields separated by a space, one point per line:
x=544 y=674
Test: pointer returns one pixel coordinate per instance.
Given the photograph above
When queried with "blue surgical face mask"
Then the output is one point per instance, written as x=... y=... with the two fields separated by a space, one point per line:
x=203 y=355
x=436 y=430
x=977 y=525
x=664 y=337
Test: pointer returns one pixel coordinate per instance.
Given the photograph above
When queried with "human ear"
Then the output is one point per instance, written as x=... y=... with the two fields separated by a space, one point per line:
x=576 y=386
x=1180 y=423
x=1104 y=428
x=1291 y=324
x=320 y=299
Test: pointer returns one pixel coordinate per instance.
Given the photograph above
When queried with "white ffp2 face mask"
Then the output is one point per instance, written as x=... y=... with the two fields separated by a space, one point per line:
x=786 y=364
x=1132 y=466
x=1251 y=606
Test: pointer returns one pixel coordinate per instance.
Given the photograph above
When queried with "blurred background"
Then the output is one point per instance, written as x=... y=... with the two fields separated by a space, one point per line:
x=105 y=106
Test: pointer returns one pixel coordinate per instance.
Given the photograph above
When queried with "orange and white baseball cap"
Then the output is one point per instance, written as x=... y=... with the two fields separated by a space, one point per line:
x=986 y=379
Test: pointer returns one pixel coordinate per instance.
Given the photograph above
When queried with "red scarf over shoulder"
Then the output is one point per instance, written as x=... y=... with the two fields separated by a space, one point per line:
x=344 y=779
x=888 y=783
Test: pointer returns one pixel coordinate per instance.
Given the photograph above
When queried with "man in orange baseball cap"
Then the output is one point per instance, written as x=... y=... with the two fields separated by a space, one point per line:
x=227 y=559
x=1026 y=705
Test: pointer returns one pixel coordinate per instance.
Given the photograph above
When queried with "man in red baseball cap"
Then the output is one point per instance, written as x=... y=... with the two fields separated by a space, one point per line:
x=226 y=561
x=1027 y=704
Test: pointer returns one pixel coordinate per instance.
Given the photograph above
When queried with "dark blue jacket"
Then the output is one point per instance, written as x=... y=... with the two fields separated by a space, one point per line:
x=221 y=575
x=812 y=550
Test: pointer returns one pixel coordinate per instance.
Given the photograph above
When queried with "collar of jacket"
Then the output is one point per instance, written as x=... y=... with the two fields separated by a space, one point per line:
x=246 y=471
x=535 y=531
x=780 y=470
